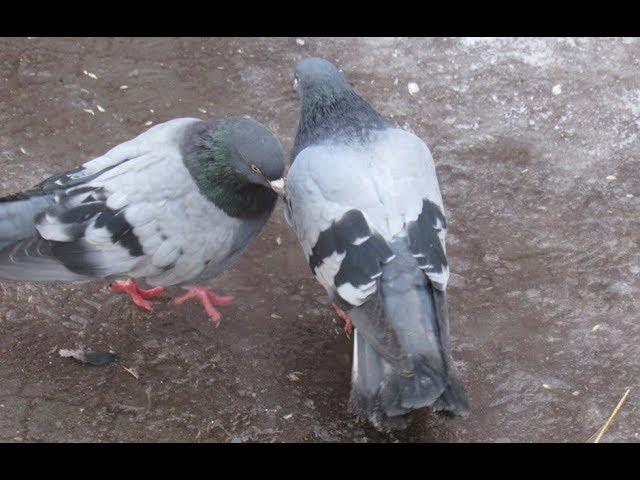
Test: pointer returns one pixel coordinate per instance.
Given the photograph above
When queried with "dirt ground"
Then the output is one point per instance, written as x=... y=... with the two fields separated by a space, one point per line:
x=537 y=145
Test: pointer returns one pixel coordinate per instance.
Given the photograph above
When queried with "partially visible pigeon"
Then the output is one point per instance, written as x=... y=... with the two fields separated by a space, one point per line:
x=174 y=206
x=364 y=200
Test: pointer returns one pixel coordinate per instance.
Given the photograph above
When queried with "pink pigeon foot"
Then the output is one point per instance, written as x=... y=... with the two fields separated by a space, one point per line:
x=138 y=295
x=207 y=299
x=348 y=325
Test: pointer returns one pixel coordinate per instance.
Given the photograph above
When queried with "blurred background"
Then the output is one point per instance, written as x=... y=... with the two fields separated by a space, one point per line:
x=537 y=148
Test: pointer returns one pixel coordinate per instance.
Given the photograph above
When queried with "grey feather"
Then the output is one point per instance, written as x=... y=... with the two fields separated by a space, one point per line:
x=243 y=237
x=414 y=312
x=32 y=260
x=17 y=217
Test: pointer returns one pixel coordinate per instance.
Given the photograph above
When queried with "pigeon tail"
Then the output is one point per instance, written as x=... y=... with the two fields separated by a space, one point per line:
x=385 y=389
x=17 y=214
x=24 y=255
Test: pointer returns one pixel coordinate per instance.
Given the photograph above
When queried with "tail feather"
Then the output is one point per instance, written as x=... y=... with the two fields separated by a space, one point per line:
x=24 y=255
x=32 y=260
x=16 y=216
x=454 y=400
x=369 y=393
x=384 y=392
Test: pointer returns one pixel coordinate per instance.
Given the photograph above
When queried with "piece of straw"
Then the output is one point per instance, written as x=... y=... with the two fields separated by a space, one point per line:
x=605 y=427
x=131 y=372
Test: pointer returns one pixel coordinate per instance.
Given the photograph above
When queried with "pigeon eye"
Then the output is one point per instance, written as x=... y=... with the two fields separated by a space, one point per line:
x=256 y=170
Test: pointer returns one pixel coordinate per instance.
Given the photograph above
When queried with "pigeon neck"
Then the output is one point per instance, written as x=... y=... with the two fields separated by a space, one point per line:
x=241 y=199
x=218 y=181
x=336 y=113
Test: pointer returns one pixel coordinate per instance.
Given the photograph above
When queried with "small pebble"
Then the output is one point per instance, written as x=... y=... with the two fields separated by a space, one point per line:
x=123 y=87
x=90 y=75
x=146 y=124
x=100 y=109
x=546 y=386
x=300 y=41
x=557 y=89
x=413 y=88
x=92 y=357
x=88 y=110
x=596 y=328
x=611 y=177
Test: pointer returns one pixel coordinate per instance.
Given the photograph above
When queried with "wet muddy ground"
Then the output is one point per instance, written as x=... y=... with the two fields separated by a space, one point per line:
x=537 y=145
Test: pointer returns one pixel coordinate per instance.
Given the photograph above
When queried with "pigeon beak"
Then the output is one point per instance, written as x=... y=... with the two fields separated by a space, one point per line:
x=278 y=186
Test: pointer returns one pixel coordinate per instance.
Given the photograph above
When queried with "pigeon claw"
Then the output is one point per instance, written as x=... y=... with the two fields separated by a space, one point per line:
x=207 y=299
x=138 y=295
x=348 y=325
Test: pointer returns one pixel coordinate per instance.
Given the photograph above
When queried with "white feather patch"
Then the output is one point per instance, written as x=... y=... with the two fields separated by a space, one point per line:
x=360 y=241
x=327 y=270
x=356 y=295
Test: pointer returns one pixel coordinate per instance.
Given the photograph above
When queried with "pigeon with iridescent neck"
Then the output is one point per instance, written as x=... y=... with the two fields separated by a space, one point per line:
x=176 y=205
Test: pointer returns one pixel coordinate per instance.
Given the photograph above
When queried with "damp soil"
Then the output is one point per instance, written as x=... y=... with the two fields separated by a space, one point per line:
x=537 y=146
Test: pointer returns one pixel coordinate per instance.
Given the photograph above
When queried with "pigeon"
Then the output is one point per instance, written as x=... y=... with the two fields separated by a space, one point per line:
x=176 y=205
x=363 y=199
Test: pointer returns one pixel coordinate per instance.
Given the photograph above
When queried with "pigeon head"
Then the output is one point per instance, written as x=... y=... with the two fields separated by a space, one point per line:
x=317 y=76
x=249 y=152
x=330 y=108
x=237 y=164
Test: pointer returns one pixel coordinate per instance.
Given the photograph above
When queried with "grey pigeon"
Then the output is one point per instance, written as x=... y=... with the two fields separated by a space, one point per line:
x=174 y=206
x=364 y=201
